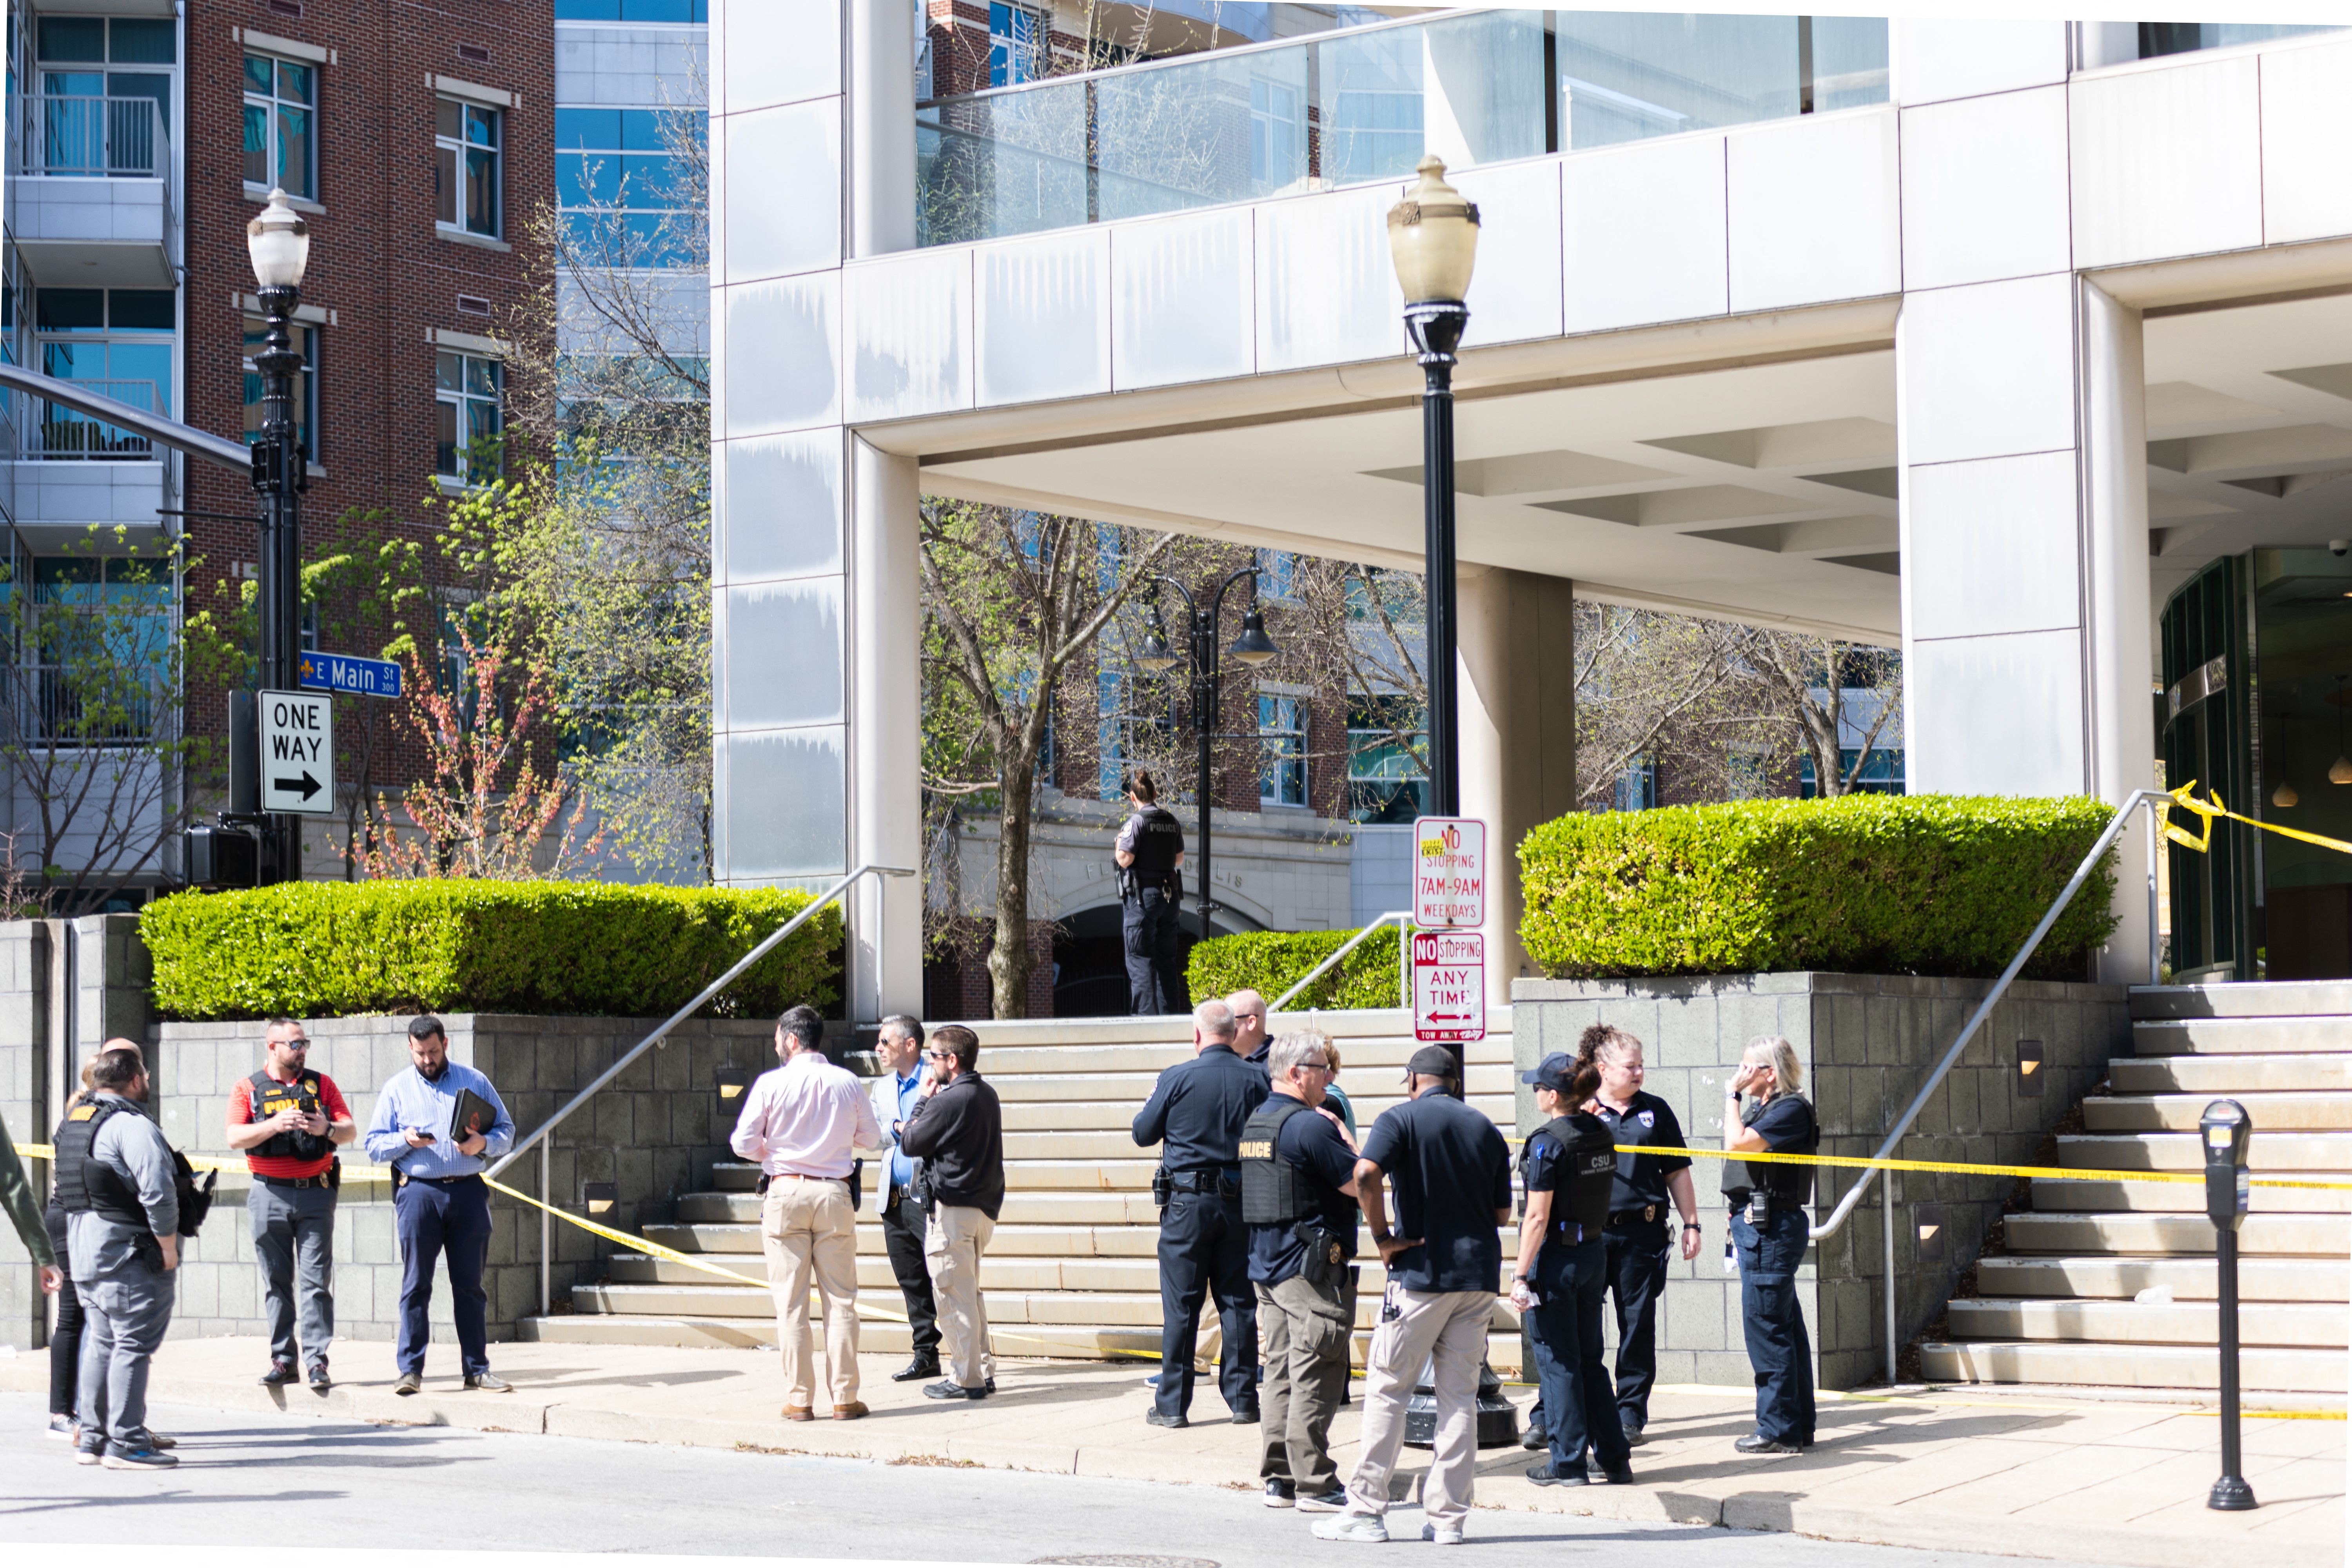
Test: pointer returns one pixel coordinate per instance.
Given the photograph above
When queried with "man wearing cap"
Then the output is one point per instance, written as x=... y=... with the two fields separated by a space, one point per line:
x=1444 y=1257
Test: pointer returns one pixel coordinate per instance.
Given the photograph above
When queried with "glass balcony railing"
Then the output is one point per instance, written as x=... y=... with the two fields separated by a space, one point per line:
x=1364 y=104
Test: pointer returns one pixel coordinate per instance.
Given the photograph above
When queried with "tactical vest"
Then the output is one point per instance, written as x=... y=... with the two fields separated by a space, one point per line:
x=1159 y=840
x=1588 y=1169
x=92 y=1186
x=1788 y=1183
x=1273 y=1190
x=270 y=1098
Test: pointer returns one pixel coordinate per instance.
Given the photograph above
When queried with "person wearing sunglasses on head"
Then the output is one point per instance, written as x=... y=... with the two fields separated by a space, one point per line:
x=289 y=1120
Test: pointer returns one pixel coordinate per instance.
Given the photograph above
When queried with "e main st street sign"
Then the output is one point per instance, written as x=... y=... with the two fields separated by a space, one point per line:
x=1449 y=962
x=298 y=752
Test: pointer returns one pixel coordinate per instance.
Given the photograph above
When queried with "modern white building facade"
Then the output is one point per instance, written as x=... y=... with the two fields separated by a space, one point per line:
x=1980 y=338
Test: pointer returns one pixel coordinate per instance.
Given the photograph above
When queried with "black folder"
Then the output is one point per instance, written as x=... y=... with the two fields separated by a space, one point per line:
x=469 y=1114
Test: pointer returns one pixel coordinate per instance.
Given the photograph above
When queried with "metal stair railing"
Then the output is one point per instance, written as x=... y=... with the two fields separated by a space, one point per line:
x=542 y=1135
x=2155 y=801
x=1404 y=961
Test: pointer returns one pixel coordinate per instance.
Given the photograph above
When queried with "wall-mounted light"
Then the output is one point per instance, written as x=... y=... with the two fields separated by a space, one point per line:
x=599 y=1199
x=2029 y=1069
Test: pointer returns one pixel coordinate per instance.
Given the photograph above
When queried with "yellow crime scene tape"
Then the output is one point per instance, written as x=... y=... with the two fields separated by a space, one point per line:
x=2045 y=1173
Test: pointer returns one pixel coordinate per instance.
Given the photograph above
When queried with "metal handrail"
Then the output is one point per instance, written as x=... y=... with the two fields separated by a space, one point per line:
x=683 y=1014
x=86 y=136
x=1404 y=918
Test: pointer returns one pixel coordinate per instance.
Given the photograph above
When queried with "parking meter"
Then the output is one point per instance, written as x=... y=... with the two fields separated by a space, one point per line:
x=2224 y=1132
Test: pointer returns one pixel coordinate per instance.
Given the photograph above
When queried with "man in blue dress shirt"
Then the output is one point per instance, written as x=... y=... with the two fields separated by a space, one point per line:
x=896 y=1093
x=440 y=1202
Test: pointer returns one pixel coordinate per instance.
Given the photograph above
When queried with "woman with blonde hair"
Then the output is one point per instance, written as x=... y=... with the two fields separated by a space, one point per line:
x=1770 y=1228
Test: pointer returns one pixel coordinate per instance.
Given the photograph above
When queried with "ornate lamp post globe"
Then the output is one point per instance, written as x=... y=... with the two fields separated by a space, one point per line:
x=279 y=241
x=1433 y=241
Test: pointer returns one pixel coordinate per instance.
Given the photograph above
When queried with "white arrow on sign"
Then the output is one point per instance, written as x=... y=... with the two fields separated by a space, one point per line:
x=297 y=751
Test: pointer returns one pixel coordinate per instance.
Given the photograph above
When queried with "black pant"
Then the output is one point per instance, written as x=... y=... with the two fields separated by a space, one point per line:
x=65 y=1341
x=432 y=1221
x=902 y=1237
x=1774 y=1322
x=1205 y=1252
x=1637 y=1277
x=1155 y=961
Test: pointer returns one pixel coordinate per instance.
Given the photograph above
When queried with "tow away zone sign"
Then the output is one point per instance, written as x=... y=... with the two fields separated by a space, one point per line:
x=1449 y=985
x=298 y=752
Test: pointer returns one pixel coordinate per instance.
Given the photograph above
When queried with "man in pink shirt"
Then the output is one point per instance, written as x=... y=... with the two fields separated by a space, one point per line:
x=799 y=1123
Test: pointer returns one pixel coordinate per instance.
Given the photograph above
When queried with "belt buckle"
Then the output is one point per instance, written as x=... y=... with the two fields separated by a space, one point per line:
x=1649 y=1213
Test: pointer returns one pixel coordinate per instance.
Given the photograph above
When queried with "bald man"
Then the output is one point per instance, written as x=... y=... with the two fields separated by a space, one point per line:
x=1250 y=1035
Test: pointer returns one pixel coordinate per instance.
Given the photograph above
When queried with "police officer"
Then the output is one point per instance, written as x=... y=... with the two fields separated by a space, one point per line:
x=1199 y=1108
x=289 y=1120
x=1151 y=856
x=1637 y=1241
x=1770 y=1227
x=1298 y=1187
x=1567 y=1166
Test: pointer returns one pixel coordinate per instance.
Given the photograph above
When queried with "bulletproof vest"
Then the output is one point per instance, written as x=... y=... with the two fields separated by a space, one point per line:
x=1588 y=1168
x=1159 y=840
x=270 y=1098
x=1786 y=1183
x=1273 y=1190
x=92 y=1186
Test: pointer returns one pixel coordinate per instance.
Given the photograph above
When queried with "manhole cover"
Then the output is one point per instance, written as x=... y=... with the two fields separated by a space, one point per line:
x=1131 y=1559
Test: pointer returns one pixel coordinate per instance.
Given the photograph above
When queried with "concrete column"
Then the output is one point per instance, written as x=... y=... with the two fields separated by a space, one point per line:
x=24 y=1097
x=881 y=91
x=1517 y=649
x=885 y=733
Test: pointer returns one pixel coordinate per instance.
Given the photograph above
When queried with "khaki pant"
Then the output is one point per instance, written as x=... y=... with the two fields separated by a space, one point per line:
x=952 y=1251
x=806 y=1226
x=1451 y=1327
x=1303 y=1332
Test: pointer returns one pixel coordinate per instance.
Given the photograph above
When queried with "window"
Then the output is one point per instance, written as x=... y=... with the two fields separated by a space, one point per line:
x=279 y=138
x=1277 y=134
x=632 y=10
x=118 y=342
x=1883 y=775
x=1386 y=782
x=1277 y=574
x=1017 y=45
x=96 y=120
x=465 y=166
x=1125 y=728
x=620 y=190
x=1282 y=750
x=469 y=408
x=100 y=633
x=1636 y=788
x=306 y=386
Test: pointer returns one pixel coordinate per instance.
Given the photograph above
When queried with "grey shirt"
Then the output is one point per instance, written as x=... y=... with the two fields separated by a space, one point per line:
x=134 y=1147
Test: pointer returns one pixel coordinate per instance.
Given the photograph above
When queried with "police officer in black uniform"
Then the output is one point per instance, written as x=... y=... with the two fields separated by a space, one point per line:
x=1151 y=856
x=1567 y=1166
x=1771 y=1227
x=1198 y=1108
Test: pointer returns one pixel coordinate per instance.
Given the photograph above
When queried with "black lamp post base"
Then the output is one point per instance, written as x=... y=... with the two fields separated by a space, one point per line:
x=2232 y=1495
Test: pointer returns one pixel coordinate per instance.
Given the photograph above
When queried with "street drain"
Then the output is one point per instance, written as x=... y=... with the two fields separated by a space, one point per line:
x=1131 y=1559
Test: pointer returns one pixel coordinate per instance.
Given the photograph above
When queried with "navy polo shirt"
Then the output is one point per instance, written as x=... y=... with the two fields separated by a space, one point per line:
x=1451 y=1172
x=1641 y=1178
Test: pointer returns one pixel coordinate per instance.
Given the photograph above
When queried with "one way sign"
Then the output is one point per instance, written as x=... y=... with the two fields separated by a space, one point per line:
x=298 y=752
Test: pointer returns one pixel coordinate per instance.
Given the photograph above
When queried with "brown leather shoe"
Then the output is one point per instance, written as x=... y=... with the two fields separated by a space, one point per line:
x=849 y=1412
x=798 y=1413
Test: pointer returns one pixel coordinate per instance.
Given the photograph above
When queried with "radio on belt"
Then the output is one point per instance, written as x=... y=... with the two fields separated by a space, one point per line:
x=2224 y=1130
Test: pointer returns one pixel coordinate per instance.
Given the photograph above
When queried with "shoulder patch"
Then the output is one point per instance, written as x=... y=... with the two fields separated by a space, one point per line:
x=1648 y=1119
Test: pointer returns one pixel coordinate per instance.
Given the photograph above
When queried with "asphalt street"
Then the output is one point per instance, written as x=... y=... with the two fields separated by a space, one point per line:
x=246 y=1485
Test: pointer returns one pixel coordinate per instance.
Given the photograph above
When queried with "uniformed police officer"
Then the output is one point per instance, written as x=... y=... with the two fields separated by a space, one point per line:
x=1637 y=1242
x=1299 y=1199
x=1567 y=1166
x=1199 y=1108
x=289 y=1120
x=1151 y=856
x=1770 y=1227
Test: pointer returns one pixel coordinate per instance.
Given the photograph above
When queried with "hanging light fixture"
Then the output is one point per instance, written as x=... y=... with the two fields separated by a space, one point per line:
x=2285 y=796
x=2340 y=770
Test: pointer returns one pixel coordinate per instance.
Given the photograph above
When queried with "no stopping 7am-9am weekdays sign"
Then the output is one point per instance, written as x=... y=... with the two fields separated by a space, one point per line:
x=1449 y=985
x=1449 y=871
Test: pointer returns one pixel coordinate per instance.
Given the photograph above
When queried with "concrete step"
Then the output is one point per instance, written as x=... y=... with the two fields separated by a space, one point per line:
x=2299 y=1325
x=1010 y=1239
x=1346 y=1026
x=1368 y=1054
x=2254 y=999
x=2239 y=1036
x=1021 y=1207
x=1101 y=1309
x=2189 y=1279
x=2308 y=1072
x=2287 y=1153
x=1486 y=1080
x=2187 y=1198
x=2266 y=1368
x=2276 y=1111
x=1000 y=1270
x=2182 y=1235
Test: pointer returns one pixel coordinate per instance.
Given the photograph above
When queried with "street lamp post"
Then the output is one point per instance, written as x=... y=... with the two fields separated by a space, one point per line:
x=1433 y=241
x=278 y=242
x=1252 y=647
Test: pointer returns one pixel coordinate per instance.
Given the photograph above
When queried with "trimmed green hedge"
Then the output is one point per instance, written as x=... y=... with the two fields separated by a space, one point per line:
x=333 y=949
x=1866 y=884
x=1273 y=961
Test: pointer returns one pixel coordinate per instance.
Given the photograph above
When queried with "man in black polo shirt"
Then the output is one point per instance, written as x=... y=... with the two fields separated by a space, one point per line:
x=1453 y=1175
x=1639 y=1247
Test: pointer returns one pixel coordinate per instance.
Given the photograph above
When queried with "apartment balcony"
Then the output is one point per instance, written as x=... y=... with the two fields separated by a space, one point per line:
x=95 y=194
x=71 y=473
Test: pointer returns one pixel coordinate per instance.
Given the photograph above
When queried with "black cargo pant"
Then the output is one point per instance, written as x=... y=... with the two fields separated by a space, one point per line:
x=1155 y=961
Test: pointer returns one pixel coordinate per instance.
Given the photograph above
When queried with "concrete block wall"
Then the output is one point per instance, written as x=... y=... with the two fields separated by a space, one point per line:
x=1868 y=1043
x=24 y=1094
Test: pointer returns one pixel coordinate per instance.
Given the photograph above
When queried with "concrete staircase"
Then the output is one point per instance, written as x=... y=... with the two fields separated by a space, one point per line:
x=1072 y=1270
x=2059 y=1306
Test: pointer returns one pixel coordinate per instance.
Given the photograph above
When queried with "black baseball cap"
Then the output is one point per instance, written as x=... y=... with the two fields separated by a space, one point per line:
x=1434 y=1061
x=1552 y=1073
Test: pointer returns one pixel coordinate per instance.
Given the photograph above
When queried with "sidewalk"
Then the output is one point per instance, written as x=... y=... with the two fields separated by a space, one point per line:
x=1970 y=1470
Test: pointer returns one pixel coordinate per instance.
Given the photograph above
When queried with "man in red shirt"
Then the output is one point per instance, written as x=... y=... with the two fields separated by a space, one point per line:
x=289 y=1120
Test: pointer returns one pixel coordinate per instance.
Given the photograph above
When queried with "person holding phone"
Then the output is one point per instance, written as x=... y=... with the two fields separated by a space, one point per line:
x=440 y=1205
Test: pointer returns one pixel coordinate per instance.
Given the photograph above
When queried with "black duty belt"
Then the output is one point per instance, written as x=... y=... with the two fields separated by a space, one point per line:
x=320 y=1180
x=402 y=1178
x=1203 y=1182
x=1625 y=1219
x=1771 y=1203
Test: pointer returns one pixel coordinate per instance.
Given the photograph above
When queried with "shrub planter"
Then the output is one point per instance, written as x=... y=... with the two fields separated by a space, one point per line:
x=1867 y=1042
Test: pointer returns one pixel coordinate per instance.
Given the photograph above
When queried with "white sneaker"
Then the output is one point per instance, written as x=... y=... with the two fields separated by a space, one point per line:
x=1429 y=1533
x=1353 y=1526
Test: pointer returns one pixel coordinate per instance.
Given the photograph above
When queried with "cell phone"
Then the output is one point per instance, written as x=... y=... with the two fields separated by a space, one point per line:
x=426 y=1136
